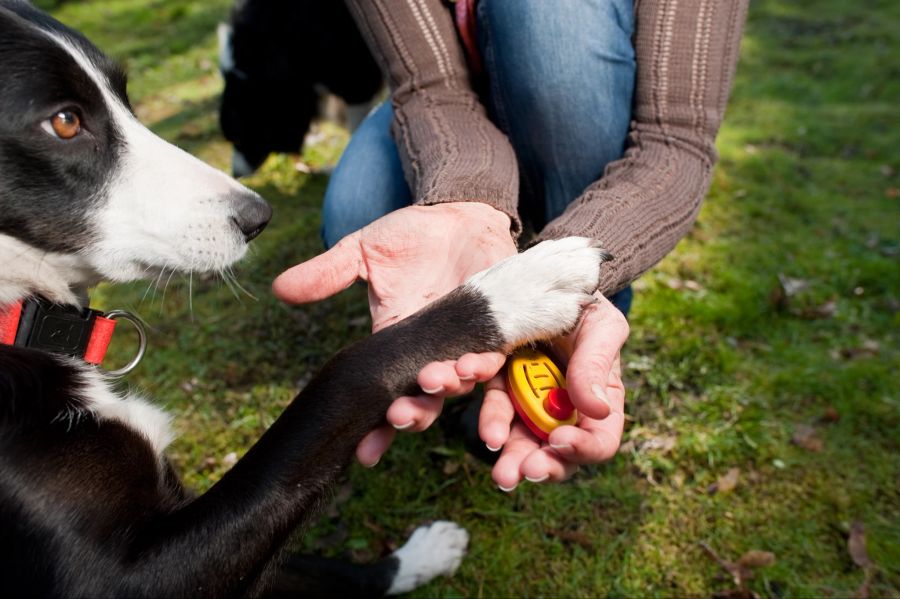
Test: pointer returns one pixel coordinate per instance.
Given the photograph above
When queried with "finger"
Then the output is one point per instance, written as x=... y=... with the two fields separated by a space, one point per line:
x=479 y=367
x=496 y=415
x=598 y=339
x=591 y=442
x=414 y=414
x=507 y=470
x=544 y=464
x=373 y=445
x=322 y=276
x=441 y=378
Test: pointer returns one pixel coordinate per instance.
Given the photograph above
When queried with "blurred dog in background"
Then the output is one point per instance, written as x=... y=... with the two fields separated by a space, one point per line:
x=282 y=60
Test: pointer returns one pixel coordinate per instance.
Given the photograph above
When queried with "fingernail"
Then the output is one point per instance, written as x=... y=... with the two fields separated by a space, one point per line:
x=600 y=394
x=537 y=480
x=434 y=391
x=404 y=426
x=468 y=378
x=373 y=464
x=494 y=449
x=505 y=490
x=562 y=447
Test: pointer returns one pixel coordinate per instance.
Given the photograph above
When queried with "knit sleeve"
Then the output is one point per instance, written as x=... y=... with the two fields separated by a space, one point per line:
x=450 y=150
x=648 y=200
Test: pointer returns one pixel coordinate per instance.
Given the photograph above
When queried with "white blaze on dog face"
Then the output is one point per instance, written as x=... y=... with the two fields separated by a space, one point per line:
x=163 y=208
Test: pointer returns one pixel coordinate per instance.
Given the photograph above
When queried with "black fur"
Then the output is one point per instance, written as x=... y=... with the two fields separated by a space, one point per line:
x=87 y=509
x=282 y=50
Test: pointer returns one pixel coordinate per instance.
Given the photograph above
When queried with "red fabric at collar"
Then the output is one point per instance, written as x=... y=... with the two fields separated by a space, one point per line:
x=101 y=335
x=98 y=344
x=9 y=323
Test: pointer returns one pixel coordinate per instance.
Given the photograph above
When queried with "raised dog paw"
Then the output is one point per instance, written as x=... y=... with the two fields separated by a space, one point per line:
x=539 y=294
x=431 y=551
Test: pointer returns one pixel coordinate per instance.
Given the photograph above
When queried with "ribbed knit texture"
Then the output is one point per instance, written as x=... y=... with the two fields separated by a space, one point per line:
x=686 y=54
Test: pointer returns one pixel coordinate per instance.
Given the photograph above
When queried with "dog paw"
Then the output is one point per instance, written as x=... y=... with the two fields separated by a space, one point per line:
x=431 y=551
x=539 y=294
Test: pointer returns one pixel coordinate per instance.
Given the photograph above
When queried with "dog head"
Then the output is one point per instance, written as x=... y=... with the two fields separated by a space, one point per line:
x=267 y=106
x=86 y=191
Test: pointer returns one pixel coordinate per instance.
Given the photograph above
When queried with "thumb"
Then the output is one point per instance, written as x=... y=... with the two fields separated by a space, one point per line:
x=598 y=339
x=322 y=276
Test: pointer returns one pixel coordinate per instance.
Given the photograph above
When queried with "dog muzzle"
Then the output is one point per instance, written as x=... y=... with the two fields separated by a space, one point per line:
x=80 y=333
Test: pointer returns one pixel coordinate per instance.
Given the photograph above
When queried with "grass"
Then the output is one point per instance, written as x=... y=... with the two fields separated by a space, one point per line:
x=721 y=373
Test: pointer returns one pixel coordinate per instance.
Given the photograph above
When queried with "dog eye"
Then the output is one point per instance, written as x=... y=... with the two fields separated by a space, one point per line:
x=65 y=124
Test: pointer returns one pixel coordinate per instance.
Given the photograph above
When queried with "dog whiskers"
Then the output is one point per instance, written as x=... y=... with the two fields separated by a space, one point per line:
x=237 y=284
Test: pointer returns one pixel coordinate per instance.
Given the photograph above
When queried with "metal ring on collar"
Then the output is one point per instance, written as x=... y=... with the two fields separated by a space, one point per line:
x=142 y=343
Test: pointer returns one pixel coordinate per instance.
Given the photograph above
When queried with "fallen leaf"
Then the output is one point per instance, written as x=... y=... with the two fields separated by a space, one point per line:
x=742 y=570
x=856 y=545
x=662 y=443
x=792 y=286
x=450 y=467
x=626 y=447
x=728 y=481
x=756 y=559
x=806 y=437
x=826 y=310
x=692 y=285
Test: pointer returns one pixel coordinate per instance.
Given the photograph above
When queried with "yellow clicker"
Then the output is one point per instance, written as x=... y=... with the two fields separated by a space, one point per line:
x=538 y=392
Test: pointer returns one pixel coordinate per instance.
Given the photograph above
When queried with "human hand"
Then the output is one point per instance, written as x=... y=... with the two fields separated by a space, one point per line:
x=409 y=258
x=594 y=381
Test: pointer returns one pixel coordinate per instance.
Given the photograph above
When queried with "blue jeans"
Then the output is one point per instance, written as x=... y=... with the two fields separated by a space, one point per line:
x=560 y=77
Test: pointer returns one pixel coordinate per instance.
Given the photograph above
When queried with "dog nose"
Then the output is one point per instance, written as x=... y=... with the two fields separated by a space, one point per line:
x=251 y=214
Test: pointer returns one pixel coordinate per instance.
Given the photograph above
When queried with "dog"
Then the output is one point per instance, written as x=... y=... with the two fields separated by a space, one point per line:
x=280 y=59
x=89 y=504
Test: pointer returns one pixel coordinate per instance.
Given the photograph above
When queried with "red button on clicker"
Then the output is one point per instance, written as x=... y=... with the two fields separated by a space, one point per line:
x=558 y=404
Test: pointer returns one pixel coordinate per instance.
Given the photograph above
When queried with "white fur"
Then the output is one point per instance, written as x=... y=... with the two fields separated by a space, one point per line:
x=539 y=294
x=226 y=50
x=131 y=410
x=165 y=209
x=430 y=552
x=26 y=270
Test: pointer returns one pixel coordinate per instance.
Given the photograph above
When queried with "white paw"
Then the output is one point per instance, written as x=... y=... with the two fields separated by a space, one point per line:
x=539 y=294
x=430 y=552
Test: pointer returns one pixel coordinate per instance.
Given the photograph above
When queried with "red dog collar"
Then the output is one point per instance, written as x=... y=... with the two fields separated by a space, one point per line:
x=80 y=333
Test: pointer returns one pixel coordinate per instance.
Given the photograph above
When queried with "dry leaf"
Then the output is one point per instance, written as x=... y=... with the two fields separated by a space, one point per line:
x=756 y=559
x=805 y=436
x=728 y=481
x=791 y=286
x=826 y=310
x=742 y=570
x=663 y=443
x=856 y=545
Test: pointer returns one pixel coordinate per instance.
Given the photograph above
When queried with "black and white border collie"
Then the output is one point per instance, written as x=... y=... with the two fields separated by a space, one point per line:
x=89 y=504
x=280 y=59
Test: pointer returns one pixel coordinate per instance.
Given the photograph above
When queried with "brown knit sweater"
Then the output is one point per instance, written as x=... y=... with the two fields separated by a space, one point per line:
x=645 y=202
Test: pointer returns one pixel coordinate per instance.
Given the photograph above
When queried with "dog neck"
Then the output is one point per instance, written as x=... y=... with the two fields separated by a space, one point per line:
x=26 y=271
